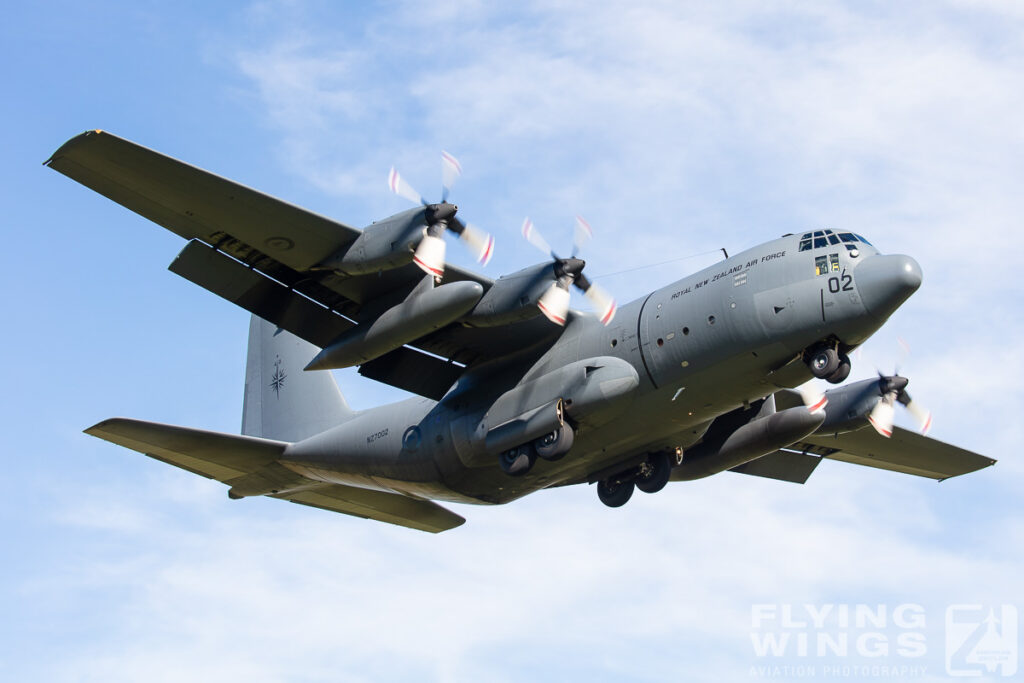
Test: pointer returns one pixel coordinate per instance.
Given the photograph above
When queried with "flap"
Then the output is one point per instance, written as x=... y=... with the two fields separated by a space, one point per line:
x=414 y=371
x=782 y=465
x=230 y=279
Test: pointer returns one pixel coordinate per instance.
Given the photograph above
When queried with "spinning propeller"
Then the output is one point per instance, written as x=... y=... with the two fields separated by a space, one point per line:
x=554 y=303
x=893 y=390
x=430 y=253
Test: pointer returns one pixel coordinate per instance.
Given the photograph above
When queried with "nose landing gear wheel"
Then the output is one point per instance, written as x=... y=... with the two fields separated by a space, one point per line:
x=842 y=372
x=823 y=361
x=614 y=492
x=517 y=461
x=654 y=473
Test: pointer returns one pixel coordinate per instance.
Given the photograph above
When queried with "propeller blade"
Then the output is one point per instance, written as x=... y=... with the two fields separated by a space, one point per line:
x=599 y=298
x=602 y=301
x=403 y=189
x=554 y=304
x=429 y=255
x=581 y=235
x=480 y=242
x=882 y=415
x=535 y=238
x=451 y=170
x=813 y=398
x=921 y=414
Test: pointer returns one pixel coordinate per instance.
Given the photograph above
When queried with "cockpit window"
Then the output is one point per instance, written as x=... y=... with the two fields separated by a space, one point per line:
x=824 y=238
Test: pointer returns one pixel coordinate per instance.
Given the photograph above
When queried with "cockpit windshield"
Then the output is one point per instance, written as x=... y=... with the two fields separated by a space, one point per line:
x=824 y=238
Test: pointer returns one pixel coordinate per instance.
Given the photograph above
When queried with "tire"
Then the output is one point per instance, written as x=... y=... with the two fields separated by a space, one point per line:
x=517 y=461
x=556 y=444
x=823 y=361
x=614 y=492
x=842 y=372
x=654 y=473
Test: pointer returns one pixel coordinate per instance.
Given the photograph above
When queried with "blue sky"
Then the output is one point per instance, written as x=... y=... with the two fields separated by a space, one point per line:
x=675 y=128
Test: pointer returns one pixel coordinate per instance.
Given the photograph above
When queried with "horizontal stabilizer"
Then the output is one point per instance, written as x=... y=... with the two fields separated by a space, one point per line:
x=249 y=464
x=212 y=454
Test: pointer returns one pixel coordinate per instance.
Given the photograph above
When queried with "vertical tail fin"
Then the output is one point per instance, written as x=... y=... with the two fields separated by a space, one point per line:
x=281 y=401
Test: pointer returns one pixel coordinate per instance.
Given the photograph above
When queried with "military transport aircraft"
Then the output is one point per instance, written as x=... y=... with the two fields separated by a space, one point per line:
x=516 y=392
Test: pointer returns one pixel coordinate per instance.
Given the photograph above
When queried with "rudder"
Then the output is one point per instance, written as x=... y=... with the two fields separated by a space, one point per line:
x=282 y=401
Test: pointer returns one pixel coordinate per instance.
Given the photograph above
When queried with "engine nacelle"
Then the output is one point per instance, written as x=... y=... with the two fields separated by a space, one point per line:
x=849 y=406
x=426 y=309
x=385 y=245
x=512 y=297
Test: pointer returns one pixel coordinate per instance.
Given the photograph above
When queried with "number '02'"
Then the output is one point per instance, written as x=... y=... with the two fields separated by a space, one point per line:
x=846 y=284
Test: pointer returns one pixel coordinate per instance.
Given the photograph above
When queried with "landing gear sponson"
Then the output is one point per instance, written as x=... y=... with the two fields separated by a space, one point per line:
x=552 y=446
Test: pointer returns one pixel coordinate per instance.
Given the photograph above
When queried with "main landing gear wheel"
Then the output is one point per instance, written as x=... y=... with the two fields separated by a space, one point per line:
x=517 y=461
x=842 y=372
x=654 y=474
x=555 y=444
x=823 y=361
x=614 y=492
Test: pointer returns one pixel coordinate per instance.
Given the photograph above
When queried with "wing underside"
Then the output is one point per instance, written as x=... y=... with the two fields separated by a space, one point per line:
x=907 y=452
x=251 y=464
x=262 y=253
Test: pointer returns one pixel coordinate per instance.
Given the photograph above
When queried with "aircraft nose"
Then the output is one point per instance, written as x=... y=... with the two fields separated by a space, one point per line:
x=886 y=281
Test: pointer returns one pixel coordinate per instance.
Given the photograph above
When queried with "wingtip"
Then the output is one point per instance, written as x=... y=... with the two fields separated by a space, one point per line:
x=71 y=142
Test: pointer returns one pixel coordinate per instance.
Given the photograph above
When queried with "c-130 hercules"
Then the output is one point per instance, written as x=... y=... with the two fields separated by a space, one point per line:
x=516 y=392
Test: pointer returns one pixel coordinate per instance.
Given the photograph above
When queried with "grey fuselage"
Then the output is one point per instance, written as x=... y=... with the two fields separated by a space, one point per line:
x=700 y=347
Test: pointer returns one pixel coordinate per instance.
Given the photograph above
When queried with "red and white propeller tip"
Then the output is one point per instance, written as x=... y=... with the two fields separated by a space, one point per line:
x=480 y=242
x=535 y=238
x=813 y=398
x=581 y=234
x=554 y=304
x=451 y=170
x=882 y=416
x=400 y=187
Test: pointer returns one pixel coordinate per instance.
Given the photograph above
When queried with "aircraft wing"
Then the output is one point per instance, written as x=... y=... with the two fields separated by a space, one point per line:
x=906 y=451
x=248 y=464
x=257 y=251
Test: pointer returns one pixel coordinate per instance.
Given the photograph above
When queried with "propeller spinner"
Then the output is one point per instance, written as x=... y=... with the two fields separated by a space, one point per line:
x=554 y=303
x=430 y=254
